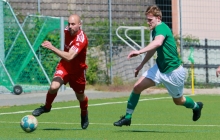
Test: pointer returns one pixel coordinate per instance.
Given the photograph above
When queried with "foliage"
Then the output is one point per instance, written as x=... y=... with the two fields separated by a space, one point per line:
x=187 y=39
x=48 y=59
x=94 y=74
x=118 y=81
x=21 y=62
x=189 y=79
x=98 y=34
x=92 y=71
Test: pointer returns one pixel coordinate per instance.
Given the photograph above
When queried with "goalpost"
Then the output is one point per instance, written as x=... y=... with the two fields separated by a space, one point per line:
x=22 y=62
x=1 y=32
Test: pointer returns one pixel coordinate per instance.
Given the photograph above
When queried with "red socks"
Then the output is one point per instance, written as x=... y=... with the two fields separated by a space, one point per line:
x=84 y=106
x=49 y=100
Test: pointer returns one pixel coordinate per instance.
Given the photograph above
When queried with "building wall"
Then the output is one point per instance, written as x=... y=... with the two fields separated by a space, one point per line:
x=123 y=11
x=201 y=19
x=175 y=17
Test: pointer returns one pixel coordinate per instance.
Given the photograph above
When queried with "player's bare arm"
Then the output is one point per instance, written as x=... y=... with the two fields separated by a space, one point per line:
x=65 y=55
x=145 y=60
x=218 y=71
x=157 y=42
x=148 y=56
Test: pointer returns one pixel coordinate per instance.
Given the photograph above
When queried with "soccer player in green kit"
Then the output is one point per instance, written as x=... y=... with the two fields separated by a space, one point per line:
x=167 y=70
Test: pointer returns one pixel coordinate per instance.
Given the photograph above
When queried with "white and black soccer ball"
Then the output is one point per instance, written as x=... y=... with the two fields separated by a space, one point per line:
x=29 y=123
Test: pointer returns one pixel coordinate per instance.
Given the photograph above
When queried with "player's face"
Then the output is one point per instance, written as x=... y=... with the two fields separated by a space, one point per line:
x=152 y=21
x=73 y=25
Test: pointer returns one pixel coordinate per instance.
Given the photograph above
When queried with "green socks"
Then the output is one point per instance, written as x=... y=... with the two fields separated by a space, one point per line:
x=132 y=102
x=189 y=103
x=134 y=98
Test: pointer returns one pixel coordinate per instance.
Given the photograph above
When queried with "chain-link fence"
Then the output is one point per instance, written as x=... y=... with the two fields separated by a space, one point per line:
x=200 y=29
x=23 y=63
x=193 y=22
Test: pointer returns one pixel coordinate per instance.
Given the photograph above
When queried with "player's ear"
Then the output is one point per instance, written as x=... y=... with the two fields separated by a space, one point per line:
x=80 y=23
x=159 y=18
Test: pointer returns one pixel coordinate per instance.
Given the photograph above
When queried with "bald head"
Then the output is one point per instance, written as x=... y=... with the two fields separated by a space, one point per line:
x=74 y=23
x=75 y=18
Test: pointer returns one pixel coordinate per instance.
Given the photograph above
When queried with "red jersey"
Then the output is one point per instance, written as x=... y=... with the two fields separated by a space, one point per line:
x=79 y=43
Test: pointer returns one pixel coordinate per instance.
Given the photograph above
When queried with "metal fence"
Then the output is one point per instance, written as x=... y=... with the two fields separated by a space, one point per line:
x=188 y=19
x=206 y=58
x=196 y=21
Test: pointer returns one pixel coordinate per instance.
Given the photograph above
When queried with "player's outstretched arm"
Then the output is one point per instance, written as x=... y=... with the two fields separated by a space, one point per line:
x=65 y=55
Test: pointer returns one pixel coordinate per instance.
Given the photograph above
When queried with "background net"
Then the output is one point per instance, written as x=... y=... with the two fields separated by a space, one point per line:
x=23 y=54
x=187 y=16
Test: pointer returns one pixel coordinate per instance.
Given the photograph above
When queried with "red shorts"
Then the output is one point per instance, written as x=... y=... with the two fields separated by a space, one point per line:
x=76 y=81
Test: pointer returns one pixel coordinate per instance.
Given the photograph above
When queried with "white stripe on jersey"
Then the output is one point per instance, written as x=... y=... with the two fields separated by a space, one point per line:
x=80 y=37
x=74 y=48
x=70 y=43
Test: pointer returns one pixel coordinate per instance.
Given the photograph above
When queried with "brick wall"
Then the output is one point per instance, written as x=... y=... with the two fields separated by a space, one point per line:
x=122 y=10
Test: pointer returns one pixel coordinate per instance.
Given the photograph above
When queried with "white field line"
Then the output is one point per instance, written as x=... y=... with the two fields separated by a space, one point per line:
x=107 y=103
x=63 y=123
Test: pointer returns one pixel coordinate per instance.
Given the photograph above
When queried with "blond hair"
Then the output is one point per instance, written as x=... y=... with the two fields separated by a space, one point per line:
x=154 y=10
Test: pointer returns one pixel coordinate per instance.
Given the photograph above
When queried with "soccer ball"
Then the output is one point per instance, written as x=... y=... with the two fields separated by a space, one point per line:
x=29 y=123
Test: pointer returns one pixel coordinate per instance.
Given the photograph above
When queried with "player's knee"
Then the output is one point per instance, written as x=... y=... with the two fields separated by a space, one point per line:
x=137 y=89
x=54 y=88
x=80 y=97
x=178 y=101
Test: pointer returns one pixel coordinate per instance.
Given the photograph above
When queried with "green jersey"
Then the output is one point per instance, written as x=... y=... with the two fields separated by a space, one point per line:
x=167 y=56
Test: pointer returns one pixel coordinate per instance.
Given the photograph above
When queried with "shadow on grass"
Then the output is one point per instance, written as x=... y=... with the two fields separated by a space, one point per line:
x=59 y=129
x=151 y=131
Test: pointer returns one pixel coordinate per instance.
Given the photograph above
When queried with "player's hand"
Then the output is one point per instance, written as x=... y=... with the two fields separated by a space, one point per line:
x=133 y=54
x=218 y=71
x=136 y=71
x=48 y=45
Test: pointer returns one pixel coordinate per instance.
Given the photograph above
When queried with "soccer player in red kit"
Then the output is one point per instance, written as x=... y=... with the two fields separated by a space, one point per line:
x=70 y=69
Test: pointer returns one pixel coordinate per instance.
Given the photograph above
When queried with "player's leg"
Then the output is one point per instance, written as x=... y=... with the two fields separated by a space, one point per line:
x=189 y=103
x=83 y=101
x=174 y=82
x=52 y=92
x=51 y=95
x=77 y=83
x=60 y=77
x=148 y=79
x=142 y=84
